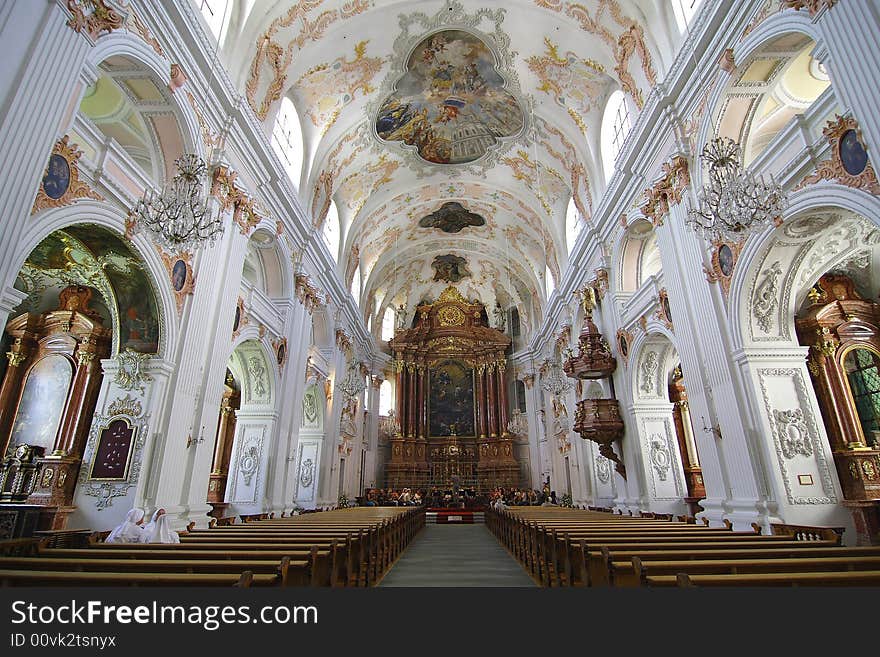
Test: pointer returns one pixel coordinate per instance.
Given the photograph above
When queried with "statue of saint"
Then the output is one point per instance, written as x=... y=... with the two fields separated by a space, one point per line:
x=400 y=316
x=500 y=321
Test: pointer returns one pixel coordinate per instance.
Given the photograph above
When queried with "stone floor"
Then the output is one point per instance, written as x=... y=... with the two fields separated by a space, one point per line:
x=456 y=555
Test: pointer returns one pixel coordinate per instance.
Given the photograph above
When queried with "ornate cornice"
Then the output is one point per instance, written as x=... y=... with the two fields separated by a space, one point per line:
x=94 y=17
x=812 y=6
x=307 y=293
x=668 y=190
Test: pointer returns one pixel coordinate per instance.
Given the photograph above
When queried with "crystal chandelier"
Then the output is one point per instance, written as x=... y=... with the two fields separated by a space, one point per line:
x=735 y=202
x=553 y=380
x=179 y=217
x=518 y=425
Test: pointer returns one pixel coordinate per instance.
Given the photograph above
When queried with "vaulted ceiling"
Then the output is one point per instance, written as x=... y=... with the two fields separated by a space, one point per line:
x=406 y=107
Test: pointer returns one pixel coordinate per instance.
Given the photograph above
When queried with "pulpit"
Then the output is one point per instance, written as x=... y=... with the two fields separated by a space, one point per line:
x=595 y=419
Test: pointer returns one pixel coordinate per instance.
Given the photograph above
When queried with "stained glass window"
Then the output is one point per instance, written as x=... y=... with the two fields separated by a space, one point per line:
x=863 y=372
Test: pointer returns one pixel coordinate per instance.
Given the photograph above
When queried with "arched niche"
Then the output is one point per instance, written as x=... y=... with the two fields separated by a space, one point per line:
x=778 y=80
x=93 y=256
x=252 y=364
x=638 y=256
x=263 y=265
x=309 y=446
x=658 y=442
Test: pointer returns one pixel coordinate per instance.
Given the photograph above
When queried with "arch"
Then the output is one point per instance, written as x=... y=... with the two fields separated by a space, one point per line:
x=388 y=322
x=771 y=29
x=263 y=265
x=573 y=224
x=386 y=401
x=121 y=43
x=638 y=256
x=332 y=230
x=252 y=364
x=111 y=218
x=824 y=224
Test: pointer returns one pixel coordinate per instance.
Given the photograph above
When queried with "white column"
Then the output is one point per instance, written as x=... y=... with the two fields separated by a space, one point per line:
x=46 y=71
x=853 y=61
x=288 y=401
x=801 y=472
x=203 y=352
x=731 y=466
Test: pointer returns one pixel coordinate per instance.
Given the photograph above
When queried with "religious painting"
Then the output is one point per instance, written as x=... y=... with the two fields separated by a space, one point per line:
x=723 y=263
x=57 y=178
x=128 y=276
x=92 y=256
x=180 y=274
x=113 y=453
x=451 y=404
x=451 y=104
x=61 y=185
x=42 y=402
x=280 y=351
x=853 y=155
x=624 y=340
x=452 y=217
x=236 y=321
x=725 y=260
x=450 y=268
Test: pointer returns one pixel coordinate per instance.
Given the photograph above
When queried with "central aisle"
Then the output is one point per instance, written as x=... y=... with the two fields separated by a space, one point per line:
x=456 y=555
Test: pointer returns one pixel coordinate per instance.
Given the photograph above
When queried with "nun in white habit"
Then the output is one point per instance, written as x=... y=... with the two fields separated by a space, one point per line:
x=150 y=526
x=162 y=532
x=130 y=530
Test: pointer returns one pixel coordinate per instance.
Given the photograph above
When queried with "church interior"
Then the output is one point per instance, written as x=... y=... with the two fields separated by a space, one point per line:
x=341 y=290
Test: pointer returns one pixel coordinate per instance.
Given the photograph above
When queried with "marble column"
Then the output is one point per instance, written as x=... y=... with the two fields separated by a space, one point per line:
x=481 y=402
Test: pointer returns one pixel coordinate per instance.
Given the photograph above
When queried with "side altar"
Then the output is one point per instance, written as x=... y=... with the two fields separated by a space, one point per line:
x=452 y=400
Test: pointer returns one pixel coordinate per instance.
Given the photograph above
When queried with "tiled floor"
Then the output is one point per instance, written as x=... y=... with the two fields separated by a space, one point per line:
x=456 y=555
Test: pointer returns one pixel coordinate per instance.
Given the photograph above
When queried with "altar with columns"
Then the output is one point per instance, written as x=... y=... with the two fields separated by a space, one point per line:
x=452 y=400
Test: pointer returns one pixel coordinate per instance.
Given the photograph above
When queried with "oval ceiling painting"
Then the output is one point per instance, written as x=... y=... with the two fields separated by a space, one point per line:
x=451 y=104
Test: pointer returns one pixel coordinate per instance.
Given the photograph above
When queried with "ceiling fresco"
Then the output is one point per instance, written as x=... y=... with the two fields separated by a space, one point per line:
x=450 y=128
x=451 y=104
x=452 y=217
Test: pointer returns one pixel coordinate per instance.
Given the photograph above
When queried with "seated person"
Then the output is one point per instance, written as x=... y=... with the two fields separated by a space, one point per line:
x=150 y=526
x=162 y=532
x=130 y=530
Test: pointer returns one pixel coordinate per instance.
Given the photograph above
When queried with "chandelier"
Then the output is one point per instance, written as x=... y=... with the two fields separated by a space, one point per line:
x=735 y=202
x=354 y=383
x=553 y=380
x=518 y=425
x=178 y=217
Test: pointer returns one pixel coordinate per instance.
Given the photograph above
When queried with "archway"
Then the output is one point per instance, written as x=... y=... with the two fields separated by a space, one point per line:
x=86 y=296
x=253 y=437
x=311 y=440
x=663 y=487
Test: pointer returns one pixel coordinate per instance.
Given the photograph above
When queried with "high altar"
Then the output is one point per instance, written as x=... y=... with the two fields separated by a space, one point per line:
x=452 y=400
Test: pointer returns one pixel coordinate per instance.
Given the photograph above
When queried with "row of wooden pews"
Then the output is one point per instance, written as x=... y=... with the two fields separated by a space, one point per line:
x=347 y=547
x=571 y=547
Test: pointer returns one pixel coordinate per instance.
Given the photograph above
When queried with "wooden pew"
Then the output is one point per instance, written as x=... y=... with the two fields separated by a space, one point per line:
x=775 y=565
x=66 y=578
x=622 y=569
x=855 y=578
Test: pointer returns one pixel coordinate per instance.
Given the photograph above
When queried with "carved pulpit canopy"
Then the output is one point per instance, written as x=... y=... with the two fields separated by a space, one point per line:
x=450 y=327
